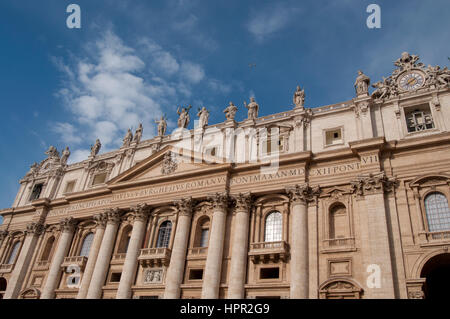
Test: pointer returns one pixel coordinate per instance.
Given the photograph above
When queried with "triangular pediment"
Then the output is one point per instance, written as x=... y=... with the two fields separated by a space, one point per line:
x=168 y=162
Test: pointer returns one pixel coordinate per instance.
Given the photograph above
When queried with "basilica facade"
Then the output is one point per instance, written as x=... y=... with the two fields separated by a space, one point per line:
x=348 y=200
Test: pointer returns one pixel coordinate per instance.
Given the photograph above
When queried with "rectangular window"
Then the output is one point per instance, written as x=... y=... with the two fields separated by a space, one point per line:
x=69 y=187
x=333 y=137
x=115 y=277
x=419 y=118
x=99 y=179
x=196 y=274
x=36 y=193
x=269 y=273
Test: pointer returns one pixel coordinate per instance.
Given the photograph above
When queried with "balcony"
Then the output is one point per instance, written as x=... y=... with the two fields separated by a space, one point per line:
x=338 y=244
x=5 y=268
x=269 y=252
x=42 y=265
x=197 y=253
x=79 y=261
x=435 y=238
x=118 y=259
x=151 y=257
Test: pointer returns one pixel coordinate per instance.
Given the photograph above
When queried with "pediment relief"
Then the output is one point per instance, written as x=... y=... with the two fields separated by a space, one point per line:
x=167 y=162
x=335 y=192
x=430 y=180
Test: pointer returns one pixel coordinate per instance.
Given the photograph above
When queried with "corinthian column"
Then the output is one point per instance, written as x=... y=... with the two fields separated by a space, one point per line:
x=177 y=260
x=23 y=261
x=239 y=248
x=67 y=228
x=213 y=267
x=104 y=255
x=131 y=259
x=299 y=264
x=101 y=220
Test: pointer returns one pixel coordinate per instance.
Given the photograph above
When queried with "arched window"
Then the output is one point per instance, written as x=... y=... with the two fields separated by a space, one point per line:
x=13 y=254
x=87 y=243
x=48 y=249
x=164 y=235
x=126 y=235
x=338 y=221
x=202 y=233
x=273 y=227
x=438 y=213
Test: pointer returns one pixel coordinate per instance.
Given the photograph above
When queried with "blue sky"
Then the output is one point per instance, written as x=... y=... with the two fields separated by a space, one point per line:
x=132 y=61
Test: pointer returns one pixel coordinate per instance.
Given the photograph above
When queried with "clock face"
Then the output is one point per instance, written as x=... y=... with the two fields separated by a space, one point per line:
x=411 y=81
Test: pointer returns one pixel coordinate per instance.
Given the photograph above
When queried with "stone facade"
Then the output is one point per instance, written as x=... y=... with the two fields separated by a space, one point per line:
x=323 y=202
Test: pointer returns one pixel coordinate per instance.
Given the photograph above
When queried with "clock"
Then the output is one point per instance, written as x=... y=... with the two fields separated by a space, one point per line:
x=411 y=81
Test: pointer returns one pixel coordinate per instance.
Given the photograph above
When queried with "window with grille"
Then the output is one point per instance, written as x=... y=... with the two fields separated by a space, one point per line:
x=164 y=235
x=437 y=211
x=87 y=243
x=36 y=193
x=204 y=237
x=273 y=227
x=419 y=119
x=13 y=254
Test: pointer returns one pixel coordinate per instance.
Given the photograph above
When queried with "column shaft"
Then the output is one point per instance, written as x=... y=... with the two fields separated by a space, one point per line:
x=23 y=261
x=54 y=274
x=211 y=278
x=90 y=265
x=239 y=256
x=103 y=260
x=299 y=252
x=131 y=259
x=175 y=271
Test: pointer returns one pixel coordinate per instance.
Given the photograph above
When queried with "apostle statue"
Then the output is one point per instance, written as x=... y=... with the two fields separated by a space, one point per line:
x=138 y=134
x=230 y=111
x=33 y=169
x=362 y=84
x=252 y=109
x=162 y=125
x=183 y=120
x=299 y=98
x=203 y=116
x=65 y=156
x=52 y=152
x=127 y=139
x=96 y=148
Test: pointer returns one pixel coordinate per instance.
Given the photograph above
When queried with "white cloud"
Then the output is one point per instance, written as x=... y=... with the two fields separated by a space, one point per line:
x=78 y=156
x=113 y=89
x=270 y=19
x=67 y=133
x=192 y=72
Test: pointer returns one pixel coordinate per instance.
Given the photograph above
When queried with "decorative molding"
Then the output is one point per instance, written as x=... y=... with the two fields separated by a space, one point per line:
x=169 y=164
x=35 y=228
x=302 y=194
x=100 y=220
x=184 y=206
x=219 y=201
x=140 y=211
x=242 y=202
x=373 y=183
x=113 y=215
x=67 y=224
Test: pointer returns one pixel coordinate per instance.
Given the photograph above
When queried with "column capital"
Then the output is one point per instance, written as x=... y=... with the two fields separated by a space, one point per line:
x=243 y=202
x=373 y=184
x=219 y=200
x=35 y=228
x=67 y=224
x=184 y=206
x=100 y=220
x=140 y=211
x=302 y=194
x=3 y=234
x=113 y=215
